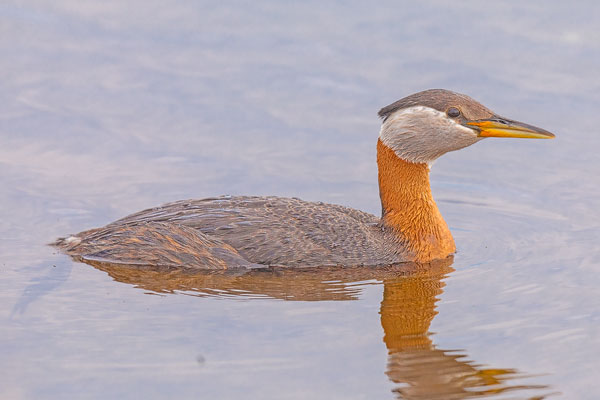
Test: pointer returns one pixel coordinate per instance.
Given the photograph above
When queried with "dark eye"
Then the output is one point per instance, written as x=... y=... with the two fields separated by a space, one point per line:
x=453 y=112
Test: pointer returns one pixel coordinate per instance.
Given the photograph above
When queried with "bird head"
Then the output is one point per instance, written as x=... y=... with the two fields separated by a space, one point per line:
x=421 y=127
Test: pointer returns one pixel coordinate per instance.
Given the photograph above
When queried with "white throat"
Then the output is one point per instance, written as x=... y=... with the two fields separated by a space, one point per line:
x=421 y=134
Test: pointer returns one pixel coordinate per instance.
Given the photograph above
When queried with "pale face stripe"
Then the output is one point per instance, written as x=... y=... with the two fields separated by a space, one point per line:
x=421 y=134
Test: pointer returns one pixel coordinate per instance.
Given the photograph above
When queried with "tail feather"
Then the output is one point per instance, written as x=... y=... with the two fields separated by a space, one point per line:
x=156 y=243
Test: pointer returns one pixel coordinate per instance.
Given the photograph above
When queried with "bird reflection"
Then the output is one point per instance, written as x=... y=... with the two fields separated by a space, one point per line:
x=418 y=368
x=422 y=370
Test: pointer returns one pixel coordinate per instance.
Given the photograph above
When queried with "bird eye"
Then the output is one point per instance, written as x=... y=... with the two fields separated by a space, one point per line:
x=453 y=112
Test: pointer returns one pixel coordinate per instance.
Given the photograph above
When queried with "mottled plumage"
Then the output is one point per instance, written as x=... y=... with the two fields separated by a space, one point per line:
x=262 y=230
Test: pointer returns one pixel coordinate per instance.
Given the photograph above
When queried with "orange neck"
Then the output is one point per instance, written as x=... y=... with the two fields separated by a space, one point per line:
x=408 y=207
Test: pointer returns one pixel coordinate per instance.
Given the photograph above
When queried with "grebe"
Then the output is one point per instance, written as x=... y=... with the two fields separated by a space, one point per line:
x=254 y=232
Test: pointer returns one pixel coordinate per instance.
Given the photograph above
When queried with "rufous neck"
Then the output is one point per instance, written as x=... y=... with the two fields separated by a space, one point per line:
x=408 y=207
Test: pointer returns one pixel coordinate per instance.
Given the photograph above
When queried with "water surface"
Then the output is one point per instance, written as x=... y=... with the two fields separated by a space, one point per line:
x=118 y=106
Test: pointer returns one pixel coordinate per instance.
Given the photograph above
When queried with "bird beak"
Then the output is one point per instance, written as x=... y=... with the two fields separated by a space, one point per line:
x=503 y=127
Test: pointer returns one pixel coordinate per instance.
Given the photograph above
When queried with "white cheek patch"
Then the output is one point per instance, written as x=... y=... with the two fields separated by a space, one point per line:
x=422 y=134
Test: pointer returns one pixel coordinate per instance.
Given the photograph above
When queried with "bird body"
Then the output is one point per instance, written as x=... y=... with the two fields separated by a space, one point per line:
x=251 y=232
x=259 y=230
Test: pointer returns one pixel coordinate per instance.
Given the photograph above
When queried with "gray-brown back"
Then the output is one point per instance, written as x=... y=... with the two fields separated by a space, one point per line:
x=279 y=231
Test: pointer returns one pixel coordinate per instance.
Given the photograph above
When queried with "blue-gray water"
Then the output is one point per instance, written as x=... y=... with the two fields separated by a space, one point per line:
x=110 y=107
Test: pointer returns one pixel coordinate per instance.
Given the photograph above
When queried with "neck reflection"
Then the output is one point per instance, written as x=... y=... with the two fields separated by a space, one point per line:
x=421 y=370
x=410 y=293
